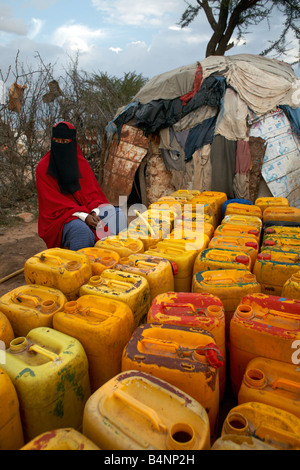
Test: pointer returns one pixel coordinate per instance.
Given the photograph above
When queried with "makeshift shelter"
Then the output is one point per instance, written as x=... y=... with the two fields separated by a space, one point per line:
x=226 y=123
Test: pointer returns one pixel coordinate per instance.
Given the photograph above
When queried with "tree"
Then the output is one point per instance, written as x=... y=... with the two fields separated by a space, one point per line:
x=227 y=16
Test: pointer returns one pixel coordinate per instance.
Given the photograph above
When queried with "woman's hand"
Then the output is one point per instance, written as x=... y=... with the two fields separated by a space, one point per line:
x=92 y=220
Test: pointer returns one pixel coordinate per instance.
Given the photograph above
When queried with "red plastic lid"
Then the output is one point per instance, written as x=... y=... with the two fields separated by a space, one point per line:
x=253 y=232
x=269 y=243
x=252 y=244
x=264 y=256
x=270 y=230
x=242 y=259
x=174 y=267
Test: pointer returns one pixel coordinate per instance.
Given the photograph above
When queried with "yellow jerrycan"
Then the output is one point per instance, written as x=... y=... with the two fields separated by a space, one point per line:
x=6 y=332
x=219 y=197
x=267 y=423
x=182 y=257
x=178 y=355
x=11 y=431
x=291 y=288
x=59 y=268
x=168 y=205
x=230 y=285
x=123 y=245
x=202 y=310
x=129 y=288
x=202 y=205
x=271 y=382
x=186 y=193
x=217 y=258
x=60 y=439
x=281 y=231
x=157 y=271
x=31 y=306
x=240 y=442
x=262 y=326
x=247 y=245
x=100 y=258
x=196 y=241
x=243 y=209
x=283 y=214
x=235 y=230
x=273 y=268
x=187 y=226
x=240 y=219
x=103 y=326
x=136 y=411
x=150 y=232
x=269 y=201
x=50 y=373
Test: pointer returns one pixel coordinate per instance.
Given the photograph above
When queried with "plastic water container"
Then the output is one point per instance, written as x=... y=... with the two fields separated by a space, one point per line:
x=271 y=382
x=103 y=326
x=273 y=268
x=196 y=241
x=59 y=268
x=262 y=326
x=199 y=218
x=281 y=243
x=219 y=196
x=100 y=258
x=60 y=439
x=136 y=411
x=266 y=202
x=186 y=193
x=243 y=209
x=291 y=288
x=218 y=258
x=166 y=205
x=11 y=432
x=31 y=306
x=242 y=220
x=157 y=271
x=248 y=245
x=202 y=310
x=178 y=355
x=50 y=373
x=123 y=246
x=6 y=331
x=240 y=442
x=280 y=231
x=129 y=288
x=283 y=214
x=230 y=285
x=231 y=201
x=189 y=226
x=182 y=258
x=203 y=205
x=269 y=424
x=235 y=230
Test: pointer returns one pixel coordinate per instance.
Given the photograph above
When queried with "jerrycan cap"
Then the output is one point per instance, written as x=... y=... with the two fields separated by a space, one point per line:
x=251 y=244
x=270 y=231
x=269 y=243
x=253 y=232
x=244 y=259
x=174 y=267
x=18 y=345
x=264 y=256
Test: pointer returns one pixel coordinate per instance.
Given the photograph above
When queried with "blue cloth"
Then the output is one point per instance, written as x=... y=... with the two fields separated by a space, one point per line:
x=199 y=136
x=293 y=116
x=77 y=235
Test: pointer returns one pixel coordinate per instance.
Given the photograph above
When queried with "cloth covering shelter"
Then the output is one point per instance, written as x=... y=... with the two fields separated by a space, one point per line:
x=208 y=123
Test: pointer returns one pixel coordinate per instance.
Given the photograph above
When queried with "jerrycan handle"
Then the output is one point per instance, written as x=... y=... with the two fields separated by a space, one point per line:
x=286 y=384
x=145 y=222
x=289 y=316
x=145 y=263
x=94 y=312
x=45 y=352
x=178 y=305
x=27 y=298
x=141 y=408
x=51 y=257
x=115 y=282
x=272 y=435
x=158 y=344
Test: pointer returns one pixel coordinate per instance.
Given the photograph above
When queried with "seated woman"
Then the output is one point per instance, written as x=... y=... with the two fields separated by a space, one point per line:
x=73 y=210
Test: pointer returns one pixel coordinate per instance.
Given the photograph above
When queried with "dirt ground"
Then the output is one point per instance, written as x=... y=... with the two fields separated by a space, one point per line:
x=17 y=243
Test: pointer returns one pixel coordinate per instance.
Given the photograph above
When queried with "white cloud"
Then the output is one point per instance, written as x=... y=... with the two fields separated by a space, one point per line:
x=76 y=37
x=10 y=24
x=37 y=25
x=115 y=49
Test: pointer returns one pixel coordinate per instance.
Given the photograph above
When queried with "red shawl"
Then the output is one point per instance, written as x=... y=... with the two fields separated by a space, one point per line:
x=55 y=208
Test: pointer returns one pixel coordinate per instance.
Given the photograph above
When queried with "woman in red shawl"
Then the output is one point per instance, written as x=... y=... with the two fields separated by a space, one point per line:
x=71 y=202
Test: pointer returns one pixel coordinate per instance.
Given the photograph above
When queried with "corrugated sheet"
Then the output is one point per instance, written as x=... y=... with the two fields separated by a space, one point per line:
x=281 y=165
x=123 y=160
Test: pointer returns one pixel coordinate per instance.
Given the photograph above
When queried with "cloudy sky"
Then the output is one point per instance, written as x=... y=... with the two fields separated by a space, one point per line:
x=112 y=36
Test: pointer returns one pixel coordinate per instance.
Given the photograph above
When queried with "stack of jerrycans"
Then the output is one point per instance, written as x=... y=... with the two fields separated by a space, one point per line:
x=126 y=287
x=230 y=285
x=157 y=271
x=50 y=373
x=103 y=326
x=264 y=326
x=59 y=268
x=138 y=411
x=270 y=202
x=11 y=431
x=274 y=427
x=31 y=306
x=179 y=355
x=243 y=209
x=202 y=310
x=283 y=214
